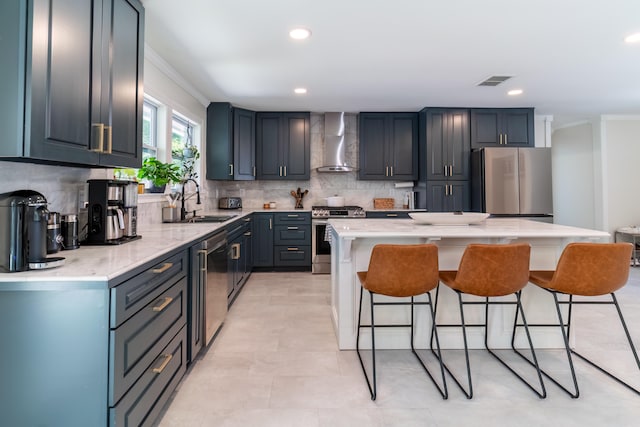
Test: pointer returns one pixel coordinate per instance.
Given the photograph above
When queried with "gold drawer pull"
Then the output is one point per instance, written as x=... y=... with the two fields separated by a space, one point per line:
x=167 y=359
x=165 y=267
x=292 y=249
x=167 y=301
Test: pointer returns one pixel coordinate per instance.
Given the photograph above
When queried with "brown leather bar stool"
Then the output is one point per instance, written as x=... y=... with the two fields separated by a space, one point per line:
x=490 y=271
x=586 y=270
x=400 y=271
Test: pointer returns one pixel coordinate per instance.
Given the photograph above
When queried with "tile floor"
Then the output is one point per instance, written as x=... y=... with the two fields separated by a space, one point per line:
x=276 y=363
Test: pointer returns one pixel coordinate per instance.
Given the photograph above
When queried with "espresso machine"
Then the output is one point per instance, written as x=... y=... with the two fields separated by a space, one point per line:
x=23 y=228
x=112 y=211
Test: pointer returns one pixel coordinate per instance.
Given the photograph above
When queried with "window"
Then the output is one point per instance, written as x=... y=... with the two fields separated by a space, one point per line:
x=149 y=129
x=181 y=137
x=184 y=150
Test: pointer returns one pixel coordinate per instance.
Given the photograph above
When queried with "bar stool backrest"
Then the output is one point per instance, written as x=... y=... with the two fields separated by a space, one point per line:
x=402 y=270
x=493 y=270
x=592 y=269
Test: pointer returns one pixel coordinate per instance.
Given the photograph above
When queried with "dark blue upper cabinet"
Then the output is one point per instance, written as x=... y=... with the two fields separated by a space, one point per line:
x=283 y=145
x=72 y=82
x=388 y=146
x=502 y=127
x=231 y=142
x=447 y=143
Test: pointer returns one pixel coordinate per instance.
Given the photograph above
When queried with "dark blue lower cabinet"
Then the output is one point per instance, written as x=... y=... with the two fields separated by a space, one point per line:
x=145 y=400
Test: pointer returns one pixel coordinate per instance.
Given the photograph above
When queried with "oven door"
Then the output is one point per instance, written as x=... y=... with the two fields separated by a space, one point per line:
x=320 y=248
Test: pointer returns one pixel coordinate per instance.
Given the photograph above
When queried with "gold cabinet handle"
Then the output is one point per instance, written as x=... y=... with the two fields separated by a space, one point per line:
x=254 y=171
x=204 y=257
x=450 y=170
x=280 y=171
x=445 y=170
x=248 y=233
x=247 y=220
x=97 y=134
x=165 y=362
x=235 y=251
x=285 y=171
x=270 y=223
x=390 y=170
x=386 y=171
x=108 y=130
x=506 y=142
x=165 y=303
x=292 y=215
x=390 y=215
x=230 y=169
x=292 y=228
x=165 y=267
x=293 y=249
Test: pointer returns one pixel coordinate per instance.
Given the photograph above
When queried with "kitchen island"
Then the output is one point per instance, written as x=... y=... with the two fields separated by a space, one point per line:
x=351 y=244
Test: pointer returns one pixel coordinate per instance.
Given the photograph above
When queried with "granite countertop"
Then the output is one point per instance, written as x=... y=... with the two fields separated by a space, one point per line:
x=491 y=227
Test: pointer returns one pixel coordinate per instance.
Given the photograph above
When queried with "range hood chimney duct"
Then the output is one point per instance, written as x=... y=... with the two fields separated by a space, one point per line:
x=334 y=144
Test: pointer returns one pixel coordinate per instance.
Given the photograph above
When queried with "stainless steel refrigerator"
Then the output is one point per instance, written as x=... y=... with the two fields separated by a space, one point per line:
x=512 y=181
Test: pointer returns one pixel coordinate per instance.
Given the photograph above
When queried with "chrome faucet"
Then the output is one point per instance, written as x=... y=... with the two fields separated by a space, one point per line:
x=183 y=211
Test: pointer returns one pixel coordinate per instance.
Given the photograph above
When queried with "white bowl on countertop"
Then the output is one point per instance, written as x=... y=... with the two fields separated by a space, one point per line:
x=448 y=218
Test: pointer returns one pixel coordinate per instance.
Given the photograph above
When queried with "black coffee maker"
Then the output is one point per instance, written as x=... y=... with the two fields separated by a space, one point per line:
x=23 y=227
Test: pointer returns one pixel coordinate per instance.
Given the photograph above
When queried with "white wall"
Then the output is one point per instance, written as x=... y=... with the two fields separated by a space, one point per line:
x=573 y=176
x=621 y=142
x=595 y=167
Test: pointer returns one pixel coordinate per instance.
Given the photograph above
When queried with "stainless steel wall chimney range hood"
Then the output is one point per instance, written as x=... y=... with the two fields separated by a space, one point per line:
x=334 y=144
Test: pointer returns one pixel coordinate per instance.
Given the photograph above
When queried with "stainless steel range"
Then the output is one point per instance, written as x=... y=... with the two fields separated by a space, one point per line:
x=320 y=248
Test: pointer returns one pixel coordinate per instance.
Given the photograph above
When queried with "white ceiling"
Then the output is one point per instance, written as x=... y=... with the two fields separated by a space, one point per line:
x=568 y=56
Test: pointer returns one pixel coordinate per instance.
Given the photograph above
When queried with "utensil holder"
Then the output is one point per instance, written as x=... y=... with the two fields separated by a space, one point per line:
x=170 y=214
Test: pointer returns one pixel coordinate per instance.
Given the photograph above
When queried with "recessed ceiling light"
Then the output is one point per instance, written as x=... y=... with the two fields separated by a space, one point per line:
x=515 y=92
x=633 y=38
x=300 y=33
x=300 y=90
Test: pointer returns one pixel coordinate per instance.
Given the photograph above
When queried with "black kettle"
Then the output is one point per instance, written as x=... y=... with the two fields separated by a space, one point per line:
x=23 y=227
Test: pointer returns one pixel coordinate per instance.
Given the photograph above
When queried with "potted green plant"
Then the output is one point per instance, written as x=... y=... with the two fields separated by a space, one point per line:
x=159 y=174
x=187 y=158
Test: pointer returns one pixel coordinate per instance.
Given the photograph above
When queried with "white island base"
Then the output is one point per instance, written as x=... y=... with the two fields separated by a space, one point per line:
x=351 y=244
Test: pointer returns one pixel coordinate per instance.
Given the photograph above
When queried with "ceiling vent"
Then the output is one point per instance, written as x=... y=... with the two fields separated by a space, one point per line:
x=494 y=80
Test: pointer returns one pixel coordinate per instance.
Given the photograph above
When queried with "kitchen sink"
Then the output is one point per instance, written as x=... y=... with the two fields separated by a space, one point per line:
x=210 y=218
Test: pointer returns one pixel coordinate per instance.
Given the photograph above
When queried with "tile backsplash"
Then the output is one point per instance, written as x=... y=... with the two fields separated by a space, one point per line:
x=64 y=187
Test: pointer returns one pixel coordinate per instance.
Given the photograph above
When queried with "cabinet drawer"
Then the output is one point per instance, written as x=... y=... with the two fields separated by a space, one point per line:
x=138 y=342
x=283 y=218
x=292 y=235
x=388 y=214
x=146 y=399
x=132 y=295
x=292 y=256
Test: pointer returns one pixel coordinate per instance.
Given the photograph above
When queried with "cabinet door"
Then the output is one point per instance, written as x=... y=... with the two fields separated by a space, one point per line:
x=459 y=198
x=485 y=127
x=517 y=127
x=195 y=301
x=122 y=96
x=448 y=196
x=268 y=149
x=63 y=103
x=219 y=141
x=244 y=144
x=436 y=198
x=458 y=145
x=502 y=127
x=403 y=147
x=296 y=147
x=436 y=144
x=373 y=152
x=262 y=240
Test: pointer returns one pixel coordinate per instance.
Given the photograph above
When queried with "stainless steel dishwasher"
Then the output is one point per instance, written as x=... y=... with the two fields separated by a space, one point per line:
x=215 y=289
